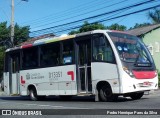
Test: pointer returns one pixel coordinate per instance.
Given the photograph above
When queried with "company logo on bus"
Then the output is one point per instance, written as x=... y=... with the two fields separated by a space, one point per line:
x=28 y=76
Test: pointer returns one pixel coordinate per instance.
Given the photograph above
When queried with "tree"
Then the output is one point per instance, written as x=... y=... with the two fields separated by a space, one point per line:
x=137 y=25
x=4 y=34
x=88 y=27
x=154 y=16
x=1 y=61
x=93 y=26
x=21 y=34
x=4 y=31
x=117 y=27
x=74 y=32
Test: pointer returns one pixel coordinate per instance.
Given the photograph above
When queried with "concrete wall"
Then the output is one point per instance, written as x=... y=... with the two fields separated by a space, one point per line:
x=152 y=39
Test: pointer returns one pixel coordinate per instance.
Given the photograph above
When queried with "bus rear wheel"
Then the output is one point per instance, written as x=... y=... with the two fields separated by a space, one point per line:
x=105 y=94
x=136 y=96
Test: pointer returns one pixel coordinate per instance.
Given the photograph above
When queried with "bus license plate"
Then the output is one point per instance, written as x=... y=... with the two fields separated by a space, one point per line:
x=147 y=83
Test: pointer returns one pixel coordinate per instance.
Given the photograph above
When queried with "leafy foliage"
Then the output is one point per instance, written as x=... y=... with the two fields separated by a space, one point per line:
x=21 y=35
x=154 y=15
x=4 y=31
x=88 y=27
x=137 y=25
x=1 y=60
x=74 y=32
x=117 y=27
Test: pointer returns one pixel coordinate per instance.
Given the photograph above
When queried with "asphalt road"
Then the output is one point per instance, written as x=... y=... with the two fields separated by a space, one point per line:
x=151 y=101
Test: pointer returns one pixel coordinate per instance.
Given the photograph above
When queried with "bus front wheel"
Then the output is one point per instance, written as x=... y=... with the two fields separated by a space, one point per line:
x=136 y=96
x=33 y=94
x=105 y=94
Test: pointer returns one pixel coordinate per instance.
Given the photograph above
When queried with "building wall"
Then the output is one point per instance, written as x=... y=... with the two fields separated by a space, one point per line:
x=152 y=40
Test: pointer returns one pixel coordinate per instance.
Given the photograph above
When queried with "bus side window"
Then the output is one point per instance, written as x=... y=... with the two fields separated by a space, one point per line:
x=30 y=58
x=13 y=64
x=50 y=55
x=102 y=50
x=15 y=57
x=68 y=52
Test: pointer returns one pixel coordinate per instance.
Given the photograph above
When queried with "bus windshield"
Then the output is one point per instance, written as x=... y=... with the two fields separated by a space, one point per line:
x=131 y=48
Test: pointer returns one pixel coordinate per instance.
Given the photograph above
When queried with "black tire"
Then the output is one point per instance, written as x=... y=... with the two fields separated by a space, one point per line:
x=33 y=94
x=105 y=94
x=136 y=96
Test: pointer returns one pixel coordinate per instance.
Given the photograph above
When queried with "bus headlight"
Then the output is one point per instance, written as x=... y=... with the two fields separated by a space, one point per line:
x=128 y=71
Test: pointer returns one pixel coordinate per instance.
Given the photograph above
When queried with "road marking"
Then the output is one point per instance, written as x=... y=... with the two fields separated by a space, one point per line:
x=30 y=104
x=3 y=102
x=69 y=107
x=42 y=105
x=61 y=107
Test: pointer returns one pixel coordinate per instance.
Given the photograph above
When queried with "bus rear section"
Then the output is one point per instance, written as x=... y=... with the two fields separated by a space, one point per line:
x=11 y=72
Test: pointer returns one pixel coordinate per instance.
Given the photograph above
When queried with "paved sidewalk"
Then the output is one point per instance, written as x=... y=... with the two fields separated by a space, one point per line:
x=2 y=93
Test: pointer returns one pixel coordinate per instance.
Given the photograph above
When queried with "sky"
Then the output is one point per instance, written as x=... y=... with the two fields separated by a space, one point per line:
x=41 y=14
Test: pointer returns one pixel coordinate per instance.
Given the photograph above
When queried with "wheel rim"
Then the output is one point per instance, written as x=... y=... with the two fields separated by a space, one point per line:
x=32 y=95
x=107 y=92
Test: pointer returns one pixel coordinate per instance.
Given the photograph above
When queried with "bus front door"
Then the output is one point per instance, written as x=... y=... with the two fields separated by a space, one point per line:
x=84 y=66
x=14 y=77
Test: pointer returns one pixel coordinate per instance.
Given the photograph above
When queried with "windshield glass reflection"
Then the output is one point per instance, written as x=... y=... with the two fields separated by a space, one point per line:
x=130 y=48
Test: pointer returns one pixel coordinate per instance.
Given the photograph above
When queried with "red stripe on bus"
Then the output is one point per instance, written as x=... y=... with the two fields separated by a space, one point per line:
x=27 y=46
x=145 y=74
x=22 y=81
x=71 y=73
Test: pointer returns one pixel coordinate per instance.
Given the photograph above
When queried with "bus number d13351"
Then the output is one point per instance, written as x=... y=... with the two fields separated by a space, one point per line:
x=55 y=75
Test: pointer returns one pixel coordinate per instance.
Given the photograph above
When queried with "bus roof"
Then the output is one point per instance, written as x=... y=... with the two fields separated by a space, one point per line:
x=64 y=37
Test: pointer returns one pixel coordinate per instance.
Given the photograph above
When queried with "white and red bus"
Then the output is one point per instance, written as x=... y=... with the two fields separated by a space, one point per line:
x=100 y=63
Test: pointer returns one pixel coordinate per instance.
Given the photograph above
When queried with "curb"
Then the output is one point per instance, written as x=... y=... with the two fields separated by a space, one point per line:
x=154 y=91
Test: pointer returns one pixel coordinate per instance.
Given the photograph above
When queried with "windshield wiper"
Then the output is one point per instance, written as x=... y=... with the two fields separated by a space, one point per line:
x=137 y=58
